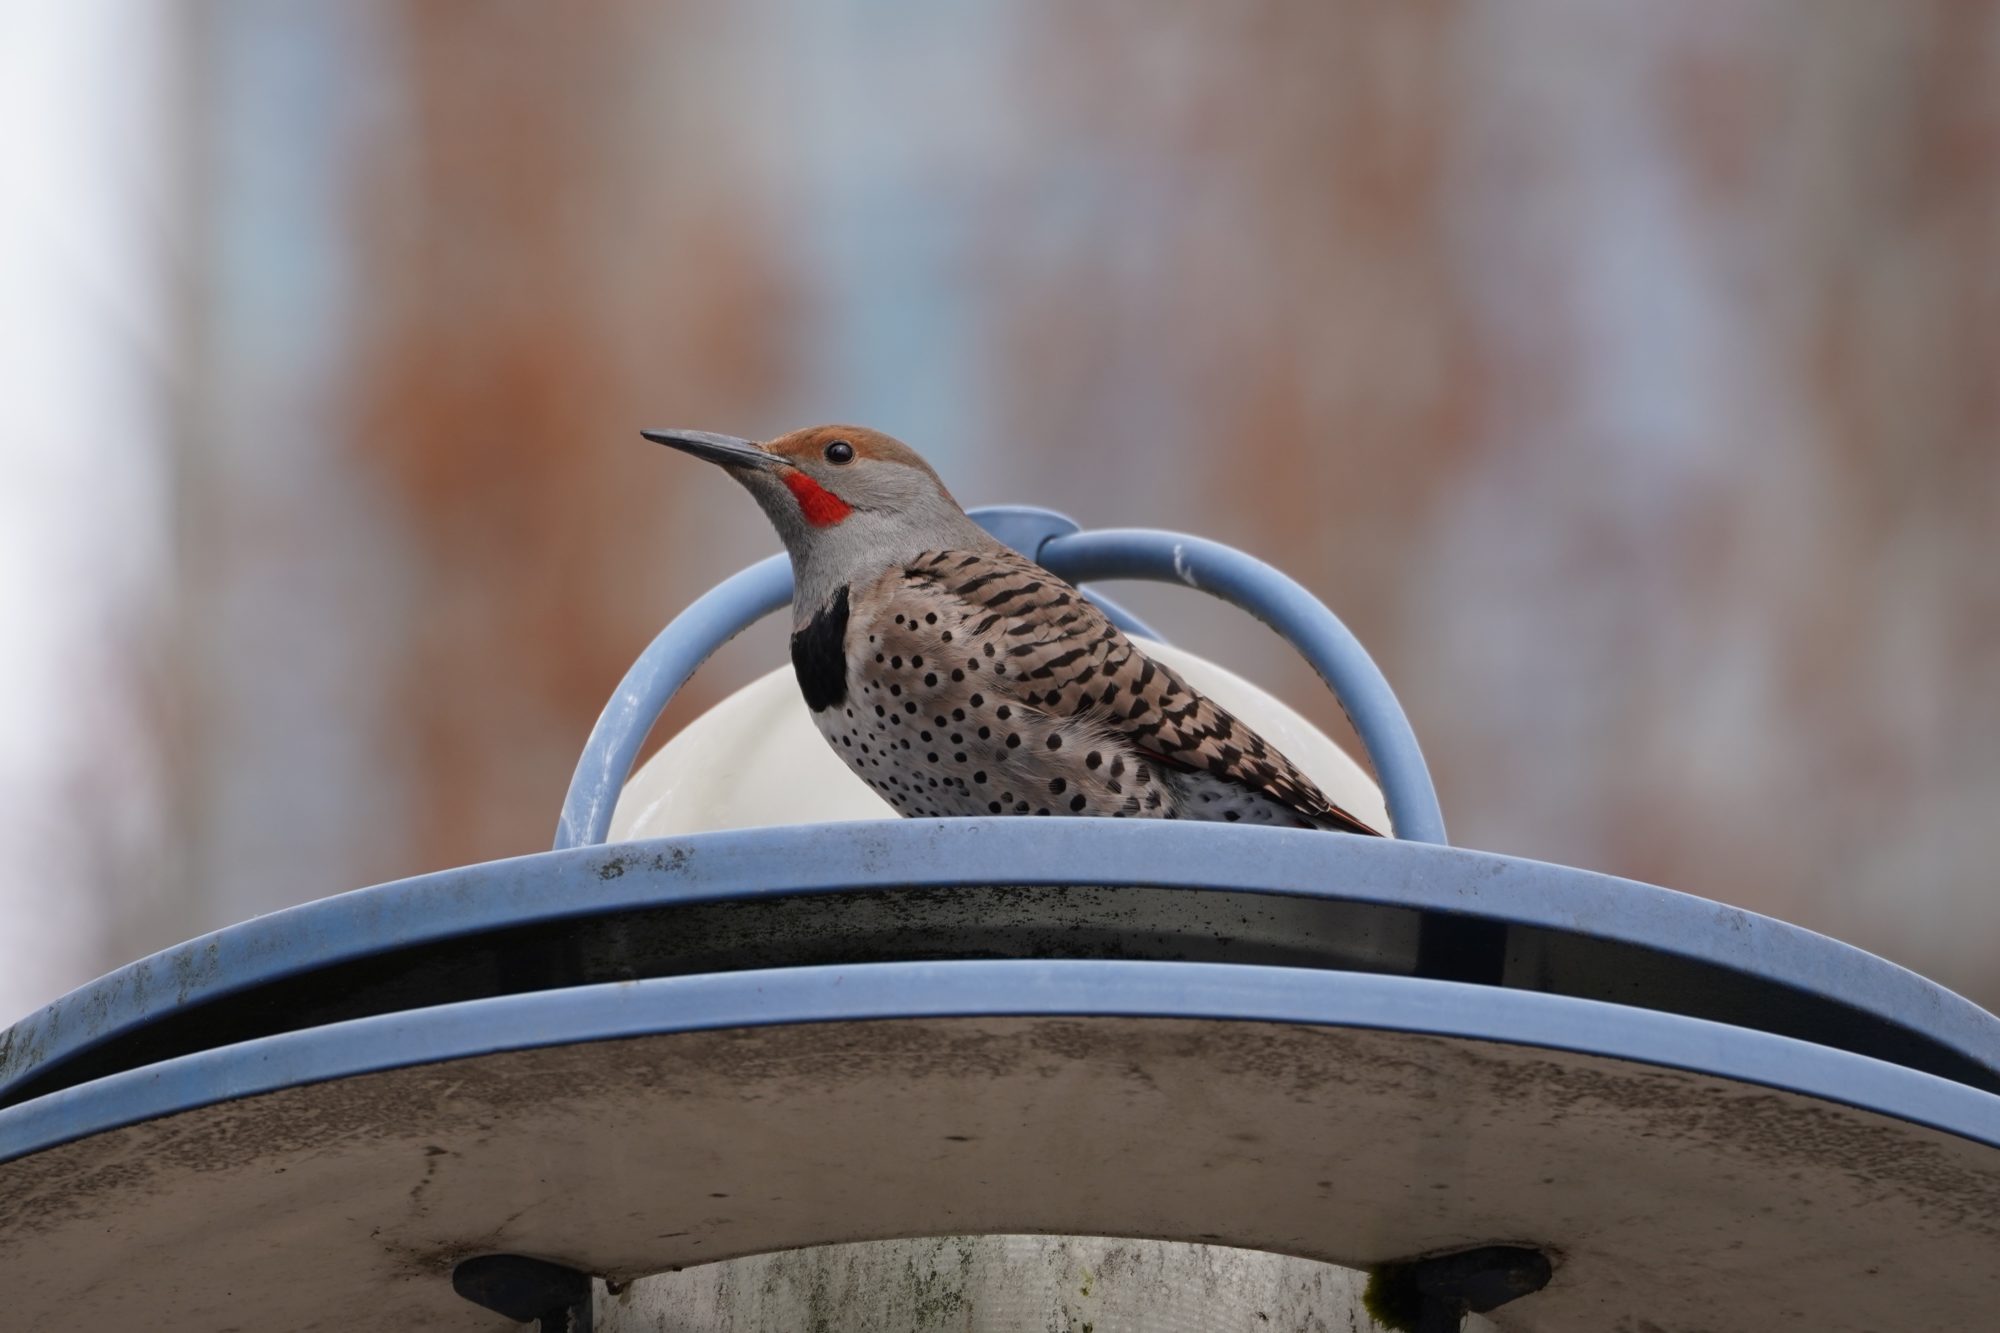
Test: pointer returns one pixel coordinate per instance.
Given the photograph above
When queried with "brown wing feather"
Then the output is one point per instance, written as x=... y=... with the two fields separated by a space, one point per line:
x=1055 y=652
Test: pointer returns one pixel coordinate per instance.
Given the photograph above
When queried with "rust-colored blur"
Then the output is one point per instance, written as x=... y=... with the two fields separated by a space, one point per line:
x=1627 y=375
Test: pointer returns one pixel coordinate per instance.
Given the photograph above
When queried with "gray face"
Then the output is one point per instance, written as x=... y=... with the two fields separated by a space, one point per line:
x=847 y=502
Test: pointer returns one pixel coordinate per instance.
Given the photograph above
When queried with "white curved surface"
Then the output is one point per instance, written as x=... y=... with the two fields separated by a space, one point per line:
x=756 y=759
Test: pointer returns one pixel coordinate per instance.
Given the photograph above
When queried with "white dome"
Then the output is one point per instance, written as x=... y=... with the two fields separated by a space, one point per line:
x=756 y=759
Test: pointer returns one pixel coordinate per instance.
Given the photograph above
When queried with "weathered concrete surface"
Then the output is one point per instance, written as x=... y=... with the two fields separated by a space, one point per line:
x=1673 y=1201
x=999 y=1284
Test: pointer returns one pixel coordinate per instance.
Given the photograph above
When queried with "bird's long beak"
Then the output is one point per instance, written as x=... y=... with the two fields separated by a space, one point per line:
x=724 y=449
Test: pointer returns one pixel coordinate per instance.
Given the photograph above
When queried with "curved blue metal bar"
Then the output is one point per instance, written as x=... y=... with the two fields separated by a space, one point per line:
x=693 y=636
x=950 y=853
x=1280 y=602
x=1026 y=528
x=716 y=617
x=981 y=989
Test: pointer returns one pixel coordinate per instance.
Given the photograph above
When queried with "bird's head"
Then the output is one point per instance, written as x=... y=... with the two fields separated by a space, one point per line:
x=846 y=501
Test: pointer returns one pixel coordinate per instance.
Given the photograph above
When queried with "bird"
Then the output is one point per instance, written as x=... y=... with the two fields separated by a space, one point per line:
x=957 y=677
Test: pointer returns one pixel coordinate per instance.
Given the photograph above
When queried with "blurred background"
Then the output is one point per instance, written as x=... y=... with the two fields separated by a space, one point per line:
x=1626 y=374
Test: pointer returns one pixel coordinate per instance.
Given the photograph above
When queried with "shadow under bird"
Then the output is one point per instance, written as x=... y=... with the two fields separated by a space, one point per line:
x=957 y=677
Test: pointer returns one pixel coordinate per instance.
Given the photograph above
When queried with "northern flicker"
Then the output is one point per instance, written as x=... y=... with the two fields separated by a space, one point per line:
x=957 y=677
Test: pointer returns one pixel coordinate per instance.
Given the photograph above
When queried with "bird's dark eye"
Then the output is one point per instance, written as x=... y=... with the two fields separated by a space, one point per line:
x=840 y=451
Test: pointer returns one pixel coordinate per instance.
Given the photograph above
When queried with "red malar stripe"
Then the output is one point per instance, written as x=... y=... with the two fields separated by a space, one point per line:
x=821 y=506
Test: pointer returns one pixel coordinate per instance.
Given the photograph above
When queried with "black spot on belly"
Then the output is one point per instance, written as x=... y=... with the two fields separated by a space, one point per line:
x=819 y=656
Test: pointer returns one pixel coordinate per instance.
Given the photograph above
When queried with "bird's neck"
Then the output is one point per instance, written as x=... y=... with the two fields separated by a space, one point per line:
x=860 y=551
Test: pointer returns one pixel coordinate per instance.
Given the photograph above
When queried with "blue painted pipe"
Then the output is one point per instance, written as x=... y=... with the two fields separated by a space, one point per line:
x=690 y=639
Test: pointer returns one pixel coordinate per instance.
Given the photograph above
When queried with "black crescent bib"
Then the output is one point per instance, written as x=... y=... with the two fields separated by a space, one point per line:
x=819 y=656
